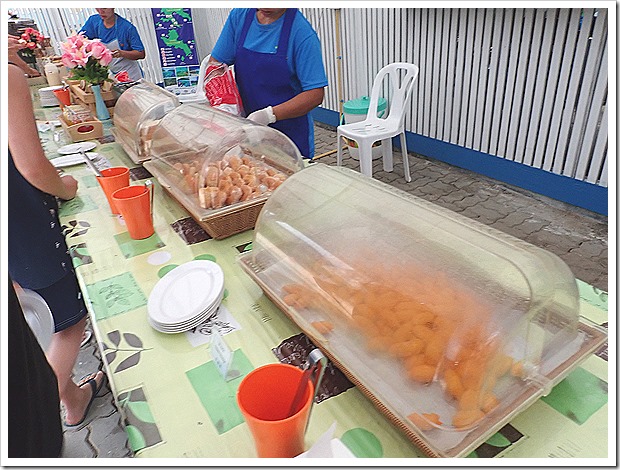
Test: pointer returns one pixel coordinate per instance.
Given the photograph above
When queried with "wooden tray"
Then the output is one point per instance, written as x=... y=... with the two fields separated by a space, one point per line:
x=89 y=98
x=79 y=96
x=83 y=130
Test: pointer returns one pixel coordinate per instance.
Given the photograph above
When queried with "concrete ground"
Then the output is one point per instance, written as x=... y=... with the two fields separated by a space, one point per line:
x=577 y=236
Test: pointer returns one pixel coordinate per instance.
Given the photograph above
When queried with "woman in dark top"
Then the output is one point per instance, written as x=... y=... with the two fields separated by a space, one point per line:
x=38 y=255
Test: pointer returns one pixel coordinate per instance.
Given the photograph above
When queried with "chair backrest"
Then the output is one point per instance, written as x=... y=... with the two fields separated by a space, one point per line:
x=401 y=89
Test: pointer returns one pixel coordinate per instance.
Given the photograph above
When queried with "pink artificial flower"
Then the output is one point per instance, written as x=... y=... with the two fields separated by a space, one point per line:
x=31 y=45
x=77 y=58
x=77 y=40
x=106 y=57
x=96 y=48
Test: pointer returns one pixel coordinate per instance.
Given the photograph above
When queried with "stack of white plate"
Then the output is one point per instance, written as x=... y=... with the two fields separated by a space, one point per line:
x=47 y=96
x=186 y=296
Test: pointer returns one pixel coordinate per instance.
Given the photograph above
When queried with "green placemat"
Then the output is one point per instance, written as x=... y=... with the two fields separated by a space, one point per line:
x=218 y=396
x=578 y=396
x=130 y=247
x=114 y=296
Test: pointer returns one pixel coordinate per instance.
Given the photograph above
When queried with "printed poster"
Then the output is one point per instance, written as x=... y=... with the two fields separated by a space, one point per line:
x=176 y=43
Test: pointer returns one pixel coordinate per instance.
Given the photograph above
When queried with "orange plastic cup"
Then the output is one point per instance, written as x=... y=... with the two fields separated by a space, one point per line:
x=111 y=180
x=63 y=96
x=264 y=397
x=134 y=203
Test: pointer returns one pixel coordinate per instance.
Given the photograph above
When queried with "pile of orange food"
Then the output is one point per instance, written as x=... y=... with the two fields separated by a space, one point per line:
x=435 y=327
x=229 y=180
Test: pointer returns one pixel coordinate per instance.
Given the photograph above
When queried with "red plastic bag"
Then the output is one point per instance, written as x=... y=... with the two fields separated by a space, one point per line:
x=122 y=76
x=221 y=89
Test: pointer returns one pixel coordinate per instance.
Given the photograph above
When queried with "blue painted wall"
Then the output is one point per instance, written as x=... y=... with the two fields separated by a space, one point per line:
x=578 y=193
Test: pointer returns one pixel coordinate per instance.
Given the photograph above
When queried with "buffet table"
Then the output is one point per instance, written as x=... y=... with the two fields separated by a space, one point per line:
x=173 y=398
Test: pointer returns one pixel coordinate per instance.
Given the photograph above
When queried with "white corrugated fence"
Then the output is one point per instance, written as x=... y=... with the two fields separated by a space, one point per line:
x=527 y=85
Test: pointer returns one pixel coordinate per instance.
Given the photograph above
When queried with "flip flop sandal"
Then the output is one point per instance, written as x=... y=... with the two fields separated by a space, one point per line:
x=91 y=376
x=87 y=336
x=90 y=380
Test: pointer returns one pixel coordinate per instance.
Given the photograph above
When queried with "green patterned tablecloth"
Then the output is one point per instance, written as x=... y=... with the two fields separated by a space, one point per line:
x=172 y=397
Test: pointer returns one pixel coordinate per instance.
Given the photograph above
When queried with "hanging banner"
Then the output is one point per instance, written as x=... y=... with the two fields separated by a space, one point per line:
x=180 y=64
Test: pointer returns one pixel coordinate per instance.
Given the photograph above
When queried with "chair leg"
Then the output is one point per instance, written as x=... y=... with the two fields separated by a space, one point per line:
x=339 y=145
x=388 y=161
x=365 y=149
x=403 y=148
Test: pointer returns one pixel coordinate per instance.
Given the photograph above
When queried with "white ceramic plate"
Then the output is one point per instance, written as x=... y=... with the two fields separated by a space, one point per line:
x=185 y=292
x=77 y=147
x=196 y=321
x=188 y=325
x=73 y=159
x=38 y=316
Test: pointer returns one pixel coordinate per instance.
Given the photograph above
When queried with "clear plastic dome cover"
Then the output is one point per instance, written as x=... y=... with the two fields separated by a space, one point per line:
x=214 y=162
x=136 y=114
x=450 y=326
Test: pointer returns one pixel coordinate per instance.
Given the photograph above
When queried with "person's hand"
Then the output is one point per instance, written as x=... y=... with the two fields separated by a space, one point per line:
x=31 y=72
x=71 y=186
x=116 y=53
x=263 y=116
x=15 y=43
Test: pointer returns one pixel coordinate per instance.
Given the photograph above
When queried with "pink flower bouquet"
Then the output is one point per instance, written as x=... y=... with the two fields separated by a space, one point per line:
x=32 y=40
x=88 y=59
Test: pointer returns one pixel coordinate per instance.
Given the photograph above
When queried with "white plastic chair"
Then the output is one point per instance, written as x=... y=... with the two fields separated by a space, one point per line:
x=199 y=96
x=373 y=128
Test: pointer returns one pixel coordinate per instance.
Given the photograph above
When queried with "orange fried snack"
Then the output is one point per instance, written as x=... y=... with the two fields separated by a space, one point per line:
x=323 y=327
x=425 y=420
x=429 y=322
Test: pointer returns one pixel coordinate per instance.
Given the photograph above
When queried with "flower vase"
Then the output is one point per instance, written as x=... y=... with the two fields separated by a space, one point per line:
x=102 y=110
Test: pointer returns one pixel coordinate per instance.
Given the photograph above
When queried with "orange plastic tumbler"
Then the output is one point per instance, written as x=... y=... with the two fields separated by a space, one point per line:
x=264 y=397
x=111 y=180
x=134 y=203
x=63 y=96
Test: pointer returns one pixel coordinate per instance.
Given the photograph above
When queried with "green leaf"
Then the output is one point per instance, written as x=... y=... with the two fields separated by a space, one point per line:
x=141 y=410
x=135 y=437
x=498 y=440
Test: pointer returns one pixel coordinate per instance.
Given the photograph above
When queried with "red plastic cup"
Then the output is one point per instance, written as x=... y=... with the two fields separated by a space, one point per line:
x=134 y=203
x=111 y=180
x=63 y=96
x=264 y=397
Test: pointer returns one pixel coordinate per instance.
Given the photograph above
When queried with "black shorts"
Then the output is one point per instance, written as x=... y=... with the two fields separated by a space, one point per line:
x=65 y=301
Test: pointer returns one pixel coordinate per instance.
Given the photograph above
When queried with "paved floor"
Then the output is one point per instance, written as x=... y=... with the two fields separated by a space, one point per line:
x=577 y=236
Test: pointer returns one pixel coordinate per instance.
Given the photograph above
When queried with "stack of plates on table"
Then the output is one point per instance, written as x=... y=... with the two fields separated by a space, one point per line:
x=47 y=96
x=186 y=296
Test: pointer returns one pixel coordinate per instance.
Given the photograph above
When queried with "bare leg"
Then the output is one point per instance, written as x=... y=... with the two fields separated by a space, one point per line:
x=62 y=354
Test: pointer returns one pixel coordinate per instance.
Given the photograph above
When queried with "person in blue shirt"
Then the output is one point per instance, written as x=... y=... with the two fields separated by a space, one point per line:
x=121 y=37
x=278 y=68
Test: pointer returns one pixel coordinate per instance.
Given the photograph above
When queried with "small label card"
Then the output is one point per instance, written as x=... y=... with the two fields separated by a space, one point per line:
x=221 y=353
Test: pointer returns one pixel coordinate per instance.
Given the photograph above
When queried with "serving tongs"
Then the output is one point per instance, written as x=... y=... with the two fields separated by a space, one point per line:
x=90 y=164
x=315 y=367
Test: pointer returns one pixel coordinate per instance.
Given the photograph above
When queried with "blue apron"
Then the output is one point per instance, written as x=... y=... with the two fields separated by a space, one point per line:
x=264 y=80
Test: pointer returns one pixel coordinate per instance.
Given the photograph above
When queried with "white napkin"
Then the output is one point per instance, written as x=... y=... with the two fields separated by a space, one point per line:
x=327 y=446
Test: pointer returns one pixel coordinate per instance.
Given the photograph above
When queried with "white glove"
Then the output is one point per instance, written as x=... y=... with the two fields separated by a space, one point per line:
x=263 y=116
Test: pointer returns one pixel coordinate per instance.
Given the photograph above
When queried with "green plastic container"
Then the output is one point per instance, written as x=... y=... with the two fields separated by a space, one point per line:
x=357 y=109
